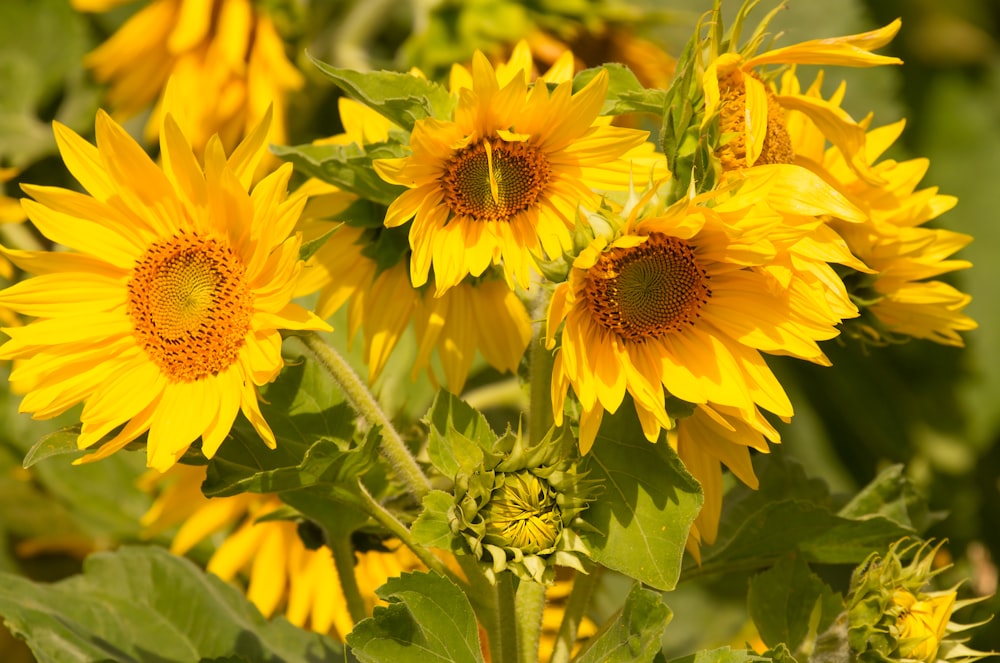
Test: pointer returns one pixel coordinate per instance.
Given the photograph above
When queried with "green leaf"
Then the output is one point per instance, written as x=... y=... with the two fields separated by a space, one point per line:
x=302 y=406
x=458 y=435
x=58 y=443
x=790 y=604
x=432 y=527
x=647 y=507
x=721 y=655
x=348 y=167
x=401 y=98
x=428 y=619
x=791 y=513
x=625 y=93
x=635 y=633
x=892 y=495
x=142 y=604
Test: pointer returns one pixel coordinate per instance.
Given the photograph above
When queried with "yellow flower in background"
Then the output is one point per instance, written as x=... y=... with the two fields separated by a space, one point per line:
x=501 y=181
x=165 y=314
x=282 y=573
x=10 y=212
x=899 y=256
x=225 y=57
x=681 y=300
x=483 y=315
x=751 y=112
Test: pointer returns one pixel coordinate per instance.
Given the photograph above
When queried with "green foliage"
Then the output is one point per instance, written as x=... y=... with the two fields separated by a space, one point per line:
x=634 y=635
x=646 y=507
x=428 y=619
x=142 y=604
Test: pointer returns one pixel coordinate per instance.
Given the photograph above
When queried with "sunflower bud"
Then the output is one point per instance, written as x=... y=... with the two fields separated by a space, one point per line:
x=519 y=509
x=891 y=616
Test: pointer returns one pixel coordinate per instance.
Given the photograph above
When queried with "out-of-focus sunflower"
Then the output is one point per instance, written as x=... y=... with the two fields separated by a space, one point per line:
x=680 y=300
x=500 y=181
x=165 y=315
x=481 y=315
x=225 y=56
x=282 y=573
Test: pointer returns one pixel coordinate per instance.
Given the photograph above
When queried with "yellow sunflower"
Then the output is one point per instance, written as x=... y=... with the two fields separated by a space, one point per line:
x=483 y=314
x=501 y=181
x=165 y=313
x=225 y=56
x=283 y=574
x=899 y=256
x=751 y=111
x=682 y=300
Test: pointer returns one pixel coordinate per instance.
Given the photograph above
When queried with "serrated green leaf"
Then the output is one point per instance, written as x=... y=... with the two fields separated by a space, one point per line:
x=891 y=494
x=625 y=93
x=789 y=604
x=349 y=167
x=399 y=97
x=458 y=434
x=57 y=443
x=143 y=603
x=647 y=506
x=432 y=527
x=635 y=633
x=428 y=619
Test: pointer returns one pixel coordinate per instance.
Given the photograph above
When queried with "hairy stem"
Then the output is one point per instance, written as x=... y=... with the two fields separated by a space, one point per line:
x=361 y=399
x=576 y=606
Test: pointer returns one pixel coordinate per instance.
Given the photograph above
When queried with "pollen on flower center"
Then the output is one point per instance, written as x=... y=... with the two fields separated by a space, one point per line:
x=522 y=513
x=190 y=306
x=647 y=291
x=494 y=180
x=777 y=147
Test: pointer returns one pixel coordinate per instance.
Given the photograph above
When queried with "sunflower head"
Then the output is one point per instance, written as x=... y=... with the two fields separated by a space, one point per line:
x=519 y=509
x=893 y=617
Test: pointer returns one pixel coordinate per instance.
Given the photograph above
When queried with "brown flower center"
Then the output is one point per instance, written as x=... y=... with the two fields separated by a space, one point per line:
x=190 y=306
x=647 y=291
x=777 y=147
x=495 y=180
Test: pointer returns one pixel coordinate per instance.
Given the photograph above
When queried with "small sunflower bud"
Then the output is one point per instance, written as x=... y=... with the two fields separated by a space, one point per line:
x=891 y=616
x=519 y=510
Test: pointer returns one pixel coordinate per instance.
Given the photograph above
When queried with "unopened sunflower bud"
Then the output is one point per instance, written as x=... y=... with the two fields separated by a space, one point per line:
x=519 y=510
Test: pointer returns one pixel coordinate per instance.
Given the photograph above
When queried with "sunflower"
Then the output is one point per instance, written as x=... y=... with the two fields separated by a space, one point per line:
x=899 y=256
x=166 y=311
x=502 y=179
x=225 y=56
x=283 y=574
x=682 y=299
x=752 y=114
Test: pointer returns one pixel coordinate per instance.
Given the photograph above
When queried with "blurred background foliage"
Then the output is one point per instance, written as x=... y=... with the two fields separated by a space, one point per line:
x=935 y=409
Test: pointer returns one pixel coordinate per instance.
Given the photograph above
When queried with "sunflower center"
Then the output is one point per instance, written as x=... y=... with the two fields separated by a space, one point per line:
x=190 y=306
x=777 y=147
x=647 y=291
x=523 y=513
x=493 y=181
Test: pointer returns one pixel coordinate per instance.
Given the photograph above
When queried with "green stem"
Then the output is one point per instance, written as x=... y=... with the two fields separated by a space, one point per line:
x=529 y=603
x=361 y=399
x=540 y=373
x=506 y=628
x=343 y=560
x=576 y=606
x=383 y=517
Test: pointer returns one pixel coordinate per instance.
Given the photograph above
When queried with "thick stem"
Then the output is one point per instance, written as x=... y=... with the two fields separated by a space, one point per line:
x=576 y=607
x=506 y=627
x=540 y=373
x=530 y=603
x=343 y=560
x=361 y=399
